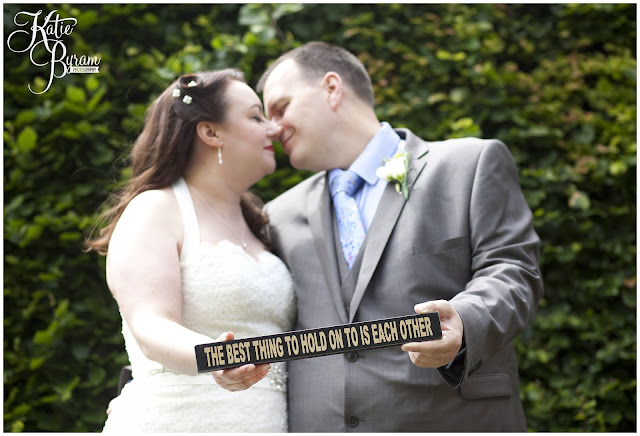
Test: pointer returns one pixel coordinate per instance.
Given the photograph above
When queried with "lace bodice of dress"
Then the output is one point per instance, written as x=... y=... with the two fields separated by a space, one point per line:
x=223 y=289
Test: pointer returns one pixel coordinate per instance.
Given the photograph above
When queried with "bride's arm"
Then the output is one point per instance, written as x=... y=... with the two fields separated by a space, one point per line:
x=143 y=273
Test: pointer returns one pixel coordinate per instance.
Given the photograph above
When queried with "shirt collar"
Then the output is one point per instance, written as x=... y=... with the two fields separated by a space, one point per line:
x=382 y=145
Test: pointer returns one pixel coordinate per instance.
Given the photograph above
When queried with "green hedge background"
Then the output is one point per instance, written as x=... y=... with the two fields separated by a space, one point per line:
x=556 y=82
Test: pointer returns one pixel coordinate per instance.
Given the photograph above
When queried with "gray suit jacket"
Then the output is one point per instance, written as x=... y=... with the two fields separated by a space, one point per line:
x=463 y=235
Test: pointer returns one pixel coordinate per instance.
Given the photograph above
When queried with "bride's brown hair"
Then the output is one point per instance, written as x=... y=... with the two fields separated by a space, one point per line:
x=160 y=153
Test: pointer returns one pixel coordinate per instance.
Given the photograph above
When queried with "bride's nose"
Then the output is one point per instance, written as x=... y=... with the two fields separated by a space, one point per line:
x=274 y=130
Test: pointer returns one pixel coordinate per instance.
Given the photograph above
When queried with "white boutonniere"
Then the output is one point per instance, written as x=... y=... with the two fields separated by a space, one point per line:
x=396 y=170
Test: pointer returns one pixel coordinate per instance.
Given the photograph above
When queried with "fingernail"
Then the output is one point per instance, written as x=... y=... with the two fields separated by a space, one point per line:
x=266 y=368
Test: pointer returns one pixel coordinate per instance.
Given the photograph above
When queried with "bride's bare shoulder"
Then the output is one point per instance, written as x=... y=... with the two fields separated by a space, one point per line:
x=153 y=198
x=152 y=211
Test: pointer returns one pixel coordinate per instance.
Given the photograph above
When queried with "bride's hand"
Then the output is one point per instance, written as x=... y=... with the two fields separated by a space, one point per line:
x=240 y=378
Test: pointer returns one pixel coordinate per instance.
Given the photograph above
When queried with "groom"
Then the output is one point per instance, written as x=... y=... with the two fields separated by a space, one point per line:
x=461 y=243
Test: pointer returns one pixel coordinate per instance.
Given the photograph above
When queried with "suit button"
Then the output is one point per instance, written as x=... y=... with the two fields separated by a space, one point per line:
x=352 y=421
x=352 y=356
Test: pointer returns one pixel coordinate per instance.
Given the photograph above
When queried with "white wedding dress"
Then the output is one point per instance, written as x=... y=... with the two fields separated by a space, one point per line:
x=224 y=289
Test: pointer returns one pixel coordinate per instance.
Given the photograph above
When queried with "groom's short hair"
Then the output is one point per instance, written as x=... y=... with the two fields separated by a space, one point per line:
x=317 y=58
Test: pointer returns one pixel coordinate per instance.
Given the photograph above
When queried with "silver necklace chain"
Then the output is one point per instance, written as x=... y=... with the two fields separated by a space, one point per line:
x=244 y=242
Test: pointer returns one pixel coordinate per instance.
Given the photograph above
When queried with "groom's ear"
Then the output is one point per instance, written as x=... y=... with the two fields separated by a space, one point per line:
x=208 y=133
x=333 y=87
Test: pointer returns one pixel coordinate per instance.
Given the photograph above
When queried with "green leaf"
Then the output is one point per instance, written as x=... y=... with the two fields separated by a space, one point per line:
x=579 y=200
x=76 y=94
x=253 y=14
x=27 y=139
x=286 y=9
x=70 y=236
x=36 y=363
x=25 y=117
x=617 y=168
x=92 y=83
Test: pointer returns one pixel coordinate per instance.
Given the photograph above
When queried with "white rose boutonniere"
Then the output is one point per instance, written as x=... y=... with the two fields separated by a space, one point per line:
x=396 y=169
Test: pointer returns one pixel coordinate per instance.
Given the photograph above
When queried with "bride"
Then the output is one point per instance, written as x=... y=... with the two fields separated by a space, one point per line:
x=188 y=260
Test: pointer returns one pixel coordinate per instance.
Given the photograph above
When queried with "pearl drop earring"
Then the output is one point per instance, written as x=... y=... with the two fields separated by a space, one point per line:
x=220 y=155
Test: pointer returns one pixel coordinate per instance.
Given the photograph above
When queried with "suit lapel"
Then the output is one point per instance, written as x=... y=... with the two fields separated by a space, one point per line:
x=320 y=222
x=385 y=219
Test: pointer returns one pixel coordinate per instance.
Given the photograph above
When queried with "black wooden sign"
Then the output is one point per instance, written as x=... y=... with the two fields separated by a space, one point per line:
x=302 y=344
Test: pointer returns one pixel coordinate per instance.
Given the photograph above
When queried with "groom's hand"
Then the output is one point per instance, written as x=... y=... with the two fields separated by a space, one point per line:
x=241 y=378
x=434 y=354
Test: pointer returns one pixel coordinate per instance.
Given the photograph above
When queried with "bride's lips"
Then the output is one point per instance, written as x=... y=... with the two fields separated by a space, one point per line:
x=269 y=147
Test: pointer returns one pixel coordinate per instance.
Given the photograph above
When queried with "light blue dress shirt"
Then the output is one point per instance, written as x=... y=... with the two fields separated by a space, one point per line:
x=383 y=145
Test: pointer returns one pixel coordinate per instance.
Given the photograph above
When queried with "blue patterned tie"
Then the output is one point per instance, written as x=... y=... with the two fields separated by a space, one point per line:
x=350 y=228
